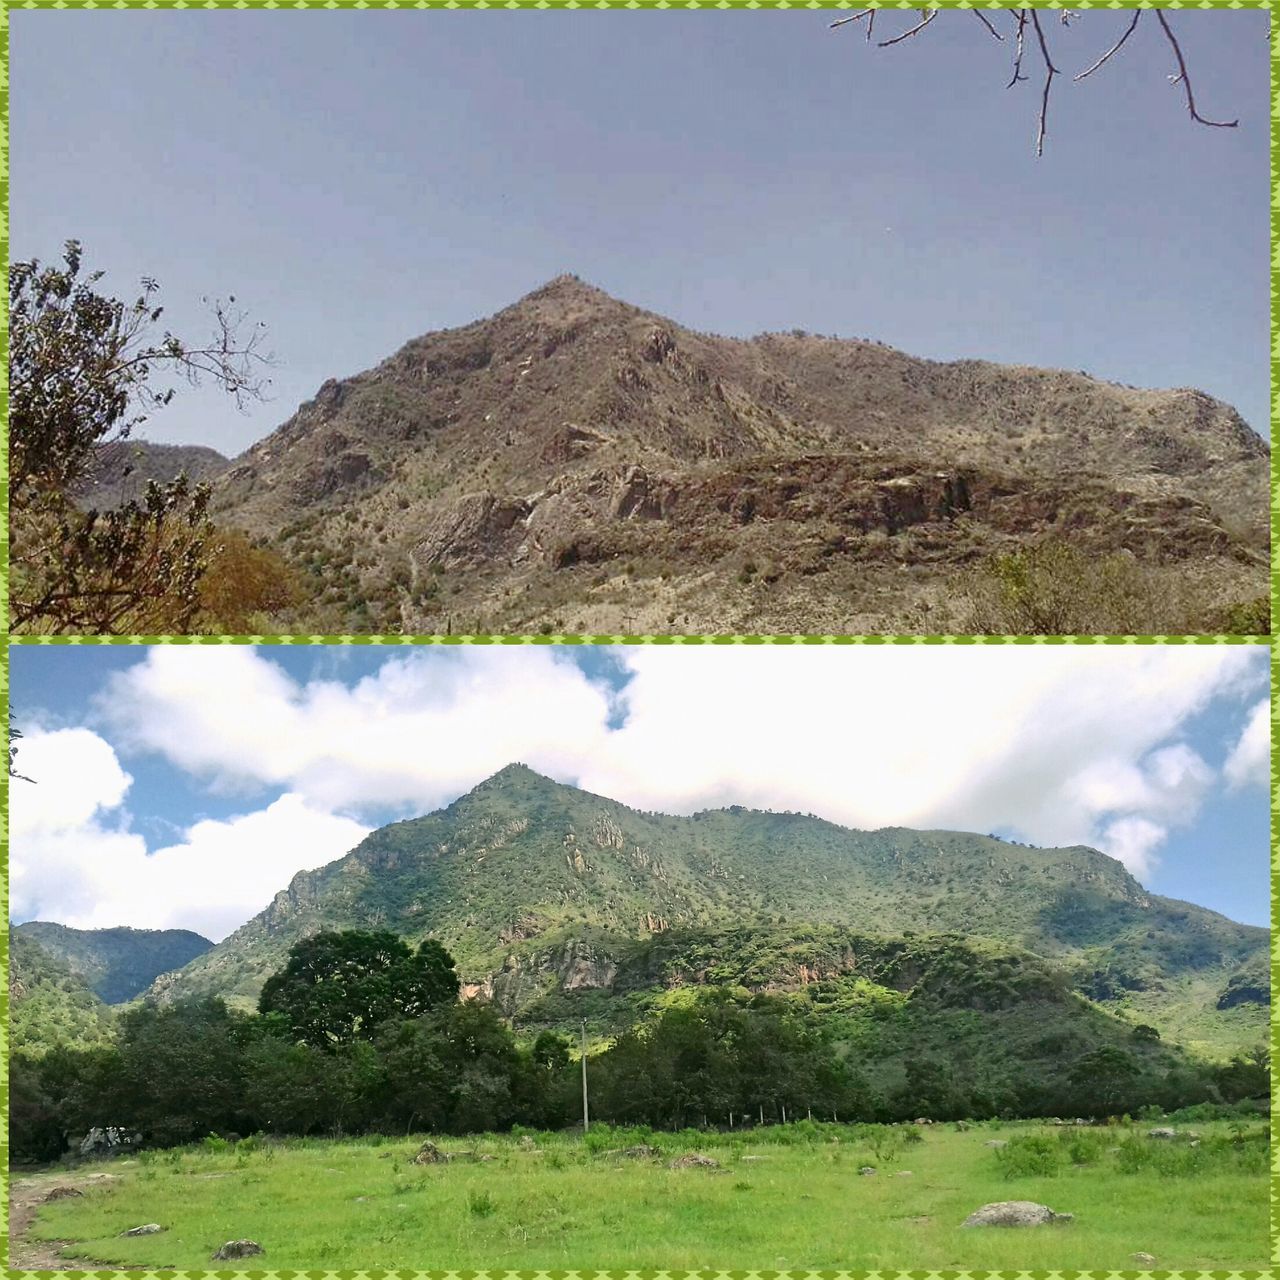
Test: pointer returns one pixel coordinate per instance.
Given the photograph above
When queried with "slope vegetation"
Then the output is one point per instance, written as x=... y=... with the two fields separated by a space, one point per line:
x=49 y=1007
x=546 y=893
x=115 y=964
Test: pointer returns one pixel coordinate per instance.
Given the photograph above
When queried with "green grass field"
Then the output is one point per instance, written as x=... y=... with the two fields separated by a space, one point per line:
x=782 y=1198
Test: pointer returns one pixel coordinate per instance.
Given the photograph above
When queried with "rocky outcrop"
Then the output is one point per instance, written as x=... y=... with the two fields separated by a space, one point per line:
x=582 y=968
x=108 y=1140
x=472 y=529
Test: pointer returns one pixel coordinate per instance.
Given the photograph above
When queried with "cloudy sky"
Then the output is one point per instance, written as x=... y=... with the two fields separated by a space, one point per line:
x=357 y=179
x=183 y=786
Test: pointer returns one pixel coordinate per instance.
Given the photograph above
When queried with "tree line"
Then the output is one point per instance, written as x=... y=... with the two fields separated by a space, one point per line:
x=359 y=1033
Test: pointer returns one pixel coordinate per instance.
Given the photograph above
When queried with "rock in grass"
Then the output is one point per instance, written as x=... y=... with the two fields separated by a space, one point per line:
x=429 y=1153
x=694 y=1161
x=238 y=1249
x=147 y=1229
x=1162 y=1133
x=61 y=1193
x=1144 y=1259
x=866 y=1171
x=1014 y=1213
x=997 y=1143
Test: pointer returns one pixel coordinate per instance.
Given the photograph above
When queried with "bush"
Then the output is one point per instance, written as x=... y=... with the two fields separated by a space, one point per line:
x=1032 y=1155
x=1054 y=589
x=480 y=1204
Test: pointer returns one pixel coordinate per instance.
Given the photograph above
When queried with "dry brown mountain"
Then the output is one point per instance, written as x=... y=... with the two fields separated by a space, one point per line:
x=574 y=463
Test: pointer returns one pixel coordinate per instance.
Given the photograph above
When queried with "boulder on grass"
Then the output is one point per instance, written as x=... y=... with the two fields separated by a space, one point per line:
x=429 y=1153
x=147 y=1229
x=62 y=1193
x=238 y=1249
x=1014 y=1213
x=1144 y=1259
x=694 y=1161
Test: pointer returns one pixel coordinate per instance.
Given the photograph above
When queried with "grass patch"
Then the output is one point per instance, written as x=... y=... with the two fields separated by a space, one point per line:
x=779 y=1199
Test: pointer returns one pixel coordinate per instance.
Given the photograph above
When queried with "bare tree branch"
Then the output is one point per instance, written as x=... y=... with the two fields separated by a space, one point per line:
x=1050 y=72
x=1017 y=57
x=1186 y=81
x=1029 y=14
x=986 y=22
x=920 y=26
x=1115 y=48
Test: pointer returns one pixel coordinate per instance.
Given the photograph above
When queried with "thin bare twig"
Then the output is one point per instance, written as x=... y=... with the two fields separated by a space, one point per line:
x=1050 y=72
x=840 y=22
x=1115 y=48
x=1017 y=57
x=920 y=26
x=871 y=25
x=1186 y=81
x=986 y=22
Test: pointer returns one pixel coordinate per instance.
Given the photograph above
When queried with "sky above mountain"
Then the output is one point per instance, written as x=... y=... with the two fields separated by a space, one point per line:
x=358 y=179
x=182 y=786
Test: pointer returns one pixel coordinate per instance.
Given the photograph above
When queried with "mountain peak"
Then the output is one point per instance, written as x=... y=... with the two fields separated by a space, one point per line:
x=515 y=772
x=569 y=296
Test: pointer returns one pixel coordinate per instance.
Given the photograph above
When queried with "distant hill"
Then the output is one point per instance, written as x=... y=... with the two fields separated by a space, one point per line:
x=121 y=470
x=49 y=1007
x=576 y=463
x=545 y=892
x=115 y=964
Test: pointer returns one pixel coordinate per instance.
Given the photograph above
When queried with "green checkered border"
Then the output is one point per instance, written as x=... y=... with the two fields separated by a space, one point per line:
x=393 y=641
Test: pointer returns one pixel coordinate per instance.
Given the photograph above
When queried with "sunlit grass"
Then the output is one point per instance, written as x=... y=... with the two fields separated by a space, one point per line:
x=550 y=1201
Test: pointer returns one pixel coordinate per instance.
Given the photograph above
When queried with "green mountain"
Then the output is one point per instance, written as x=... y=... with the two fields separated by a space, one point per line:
x=49 y=1007
x=115 y=964
x=557 y=903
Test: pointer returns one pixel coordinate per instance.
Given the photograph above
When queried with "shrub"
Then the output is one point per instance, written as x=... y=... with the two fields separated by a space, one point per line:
x=1029 y=1156
x=1053 y=588
x=480 y=1204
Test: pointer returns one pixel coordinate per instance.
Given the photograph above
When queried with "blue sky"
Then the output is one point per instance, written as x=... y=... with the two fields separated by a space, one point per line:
x=182 y=786
x=359 y=179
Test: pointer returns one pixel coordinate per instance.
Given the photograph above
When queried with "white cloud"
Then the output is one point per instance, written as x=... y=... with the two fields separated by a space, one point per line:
x=1061 y=745
x=75 y=861
x=1134 y=842
x=72 y=775
x=416 y=733
x=1054 y=743
x=225 y=871
x=1249 y=763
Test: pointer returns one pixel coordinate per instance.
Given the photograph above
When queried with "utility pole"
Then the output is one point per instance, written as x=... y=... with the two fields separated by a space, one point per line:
x=586 y=1118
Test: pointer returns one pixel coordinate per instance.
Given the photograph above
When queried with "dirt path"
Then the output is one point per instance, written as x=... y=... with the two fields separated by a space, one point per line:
x=26 y=1194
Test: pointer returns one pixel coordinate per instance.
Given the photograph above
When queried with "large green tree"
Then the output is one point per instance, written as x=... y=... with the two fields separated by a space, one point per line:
x=339 y=987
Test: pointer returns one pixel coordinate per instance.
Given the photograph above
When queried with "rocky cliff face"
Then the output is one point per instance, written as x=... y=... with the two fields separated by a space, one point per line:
x=576 y=460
